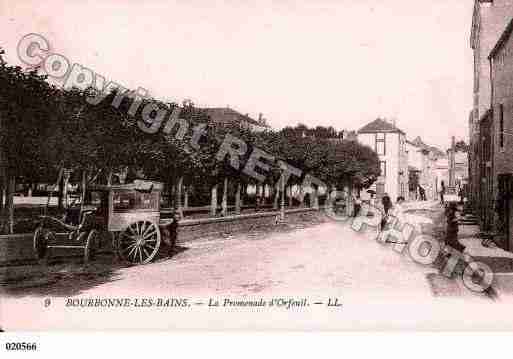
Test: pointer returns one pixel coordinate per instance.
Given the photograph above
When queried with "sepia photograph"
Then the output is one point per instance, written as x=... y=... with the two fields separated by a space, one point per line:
x=240 y=166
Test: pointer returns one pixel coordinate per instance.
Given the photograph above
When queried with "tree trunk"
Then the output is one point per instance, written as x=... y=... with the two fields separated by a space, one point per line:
x=348 y=194
x=290 y=196
x=172 y=204
x=83 y=194
x=224 y=203
x=178 y=206
x=257 y=190
x=315 y=198
x=244 y=192
x=109 y=178
x=186 y=198
x=276 y=196
x=10 y=202
x=123 y=174
x=3 y=172
x=282 y=211
x=3 y=194
x=238 y=198
x=333 y=196
x=169 y=193
x=60 y=198
x=213 y=201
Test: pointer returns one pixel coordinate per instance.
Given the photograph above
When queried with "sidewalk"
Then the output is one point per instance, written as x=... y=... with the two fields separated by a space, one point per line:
x=499 y=260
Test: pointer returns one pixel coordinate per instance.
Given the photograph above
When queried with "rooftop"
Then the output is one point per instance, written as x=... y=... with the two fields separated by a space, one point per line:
x=227 y=115
x=502 y=40
x=380 y=125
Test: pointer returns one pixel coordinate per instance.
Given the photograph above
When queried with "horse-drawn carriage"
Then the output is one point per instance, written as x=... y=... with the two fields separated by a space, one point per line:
x=125 y=218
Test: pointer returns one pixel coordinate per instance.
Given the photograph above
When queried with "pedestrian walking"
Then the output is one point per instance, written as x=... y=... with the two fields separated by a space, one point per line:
x=386 y=202
x=387 y=205
x=451 y=236
x=422 y=193
x=442 y=193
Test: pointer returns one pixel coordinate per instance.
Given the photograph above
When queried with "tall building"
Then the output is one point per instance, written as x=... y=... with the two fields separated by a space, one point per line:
x=501 y=136
x=389 y=142
x=489 y=20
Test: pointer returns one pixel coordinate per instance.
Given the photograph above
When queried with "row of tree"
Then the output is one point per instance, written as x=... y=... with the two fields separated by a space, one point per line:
x=44 y=129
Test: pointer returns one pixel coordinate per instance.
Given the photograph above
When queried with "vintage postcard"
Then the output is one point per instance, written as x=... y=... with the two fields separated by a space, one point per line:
x=256 y=165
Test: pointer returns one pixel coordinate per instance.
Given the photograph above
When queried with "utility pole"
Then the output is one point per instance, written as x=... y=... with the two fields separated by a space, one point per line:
x=452 y=164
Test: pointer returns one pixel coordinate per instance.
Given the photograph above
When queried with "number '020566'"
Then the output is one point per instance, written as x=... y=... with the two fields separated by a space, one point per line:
x=21 y=346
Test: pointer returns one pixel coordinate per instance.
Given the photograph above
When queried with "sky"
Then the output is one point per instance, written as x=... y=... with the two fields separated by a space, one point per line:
x=318 y=62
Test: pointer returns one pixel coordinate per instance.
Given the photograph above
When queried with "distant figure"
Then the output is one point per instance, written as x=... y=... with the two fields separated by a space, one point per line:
x=387 y=204
x=422 y=193
x=442 y=193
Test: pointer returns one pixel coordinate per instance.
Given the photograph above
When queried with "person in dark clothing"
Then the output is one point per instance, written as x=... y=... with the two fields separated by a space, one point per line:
x=422 y=193
x=387 y=204
x=442 y=193
x=451 y=238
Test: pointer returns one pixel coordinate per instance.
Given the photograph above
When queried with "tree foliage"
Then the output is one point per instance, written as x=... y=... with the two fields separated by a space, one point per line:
x=45 y=128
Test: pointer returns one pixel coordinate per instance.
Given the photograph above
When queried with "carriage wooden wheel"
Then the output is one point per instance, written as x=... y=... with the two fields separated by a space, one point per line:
x=91 y=246
x=42 y=237
x=139 y=242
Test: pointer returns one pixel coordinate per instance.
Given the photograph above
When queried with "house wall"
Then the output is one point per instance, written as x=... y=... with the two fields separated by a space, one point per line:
x=502 y=105
x=414 y=156
x=403 y=178
x=492 y=19
x=502 y=74
x=395 y=161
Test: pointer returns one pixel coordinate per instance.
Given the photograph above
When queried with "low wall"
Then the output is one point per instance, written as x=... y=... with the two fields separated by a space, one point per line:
x=198 y=228
x=17 y=248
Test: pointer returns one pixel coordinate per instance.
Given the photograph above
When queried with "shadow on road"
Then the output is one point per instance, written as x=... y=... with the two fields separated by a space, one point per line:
x=65 y=277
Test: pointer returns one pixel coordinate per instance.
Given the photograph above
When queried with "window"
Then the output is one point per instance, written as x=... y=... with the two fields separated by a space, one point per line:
x=380 y=146
x=501 y=125
x=383 y=168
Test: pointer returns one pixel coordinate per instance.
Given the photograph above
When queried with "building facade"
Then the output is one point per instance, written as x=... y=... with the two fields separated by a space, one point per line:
x=501 y=136
x=423 y=158
x=490 y=18
x=389 y=142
